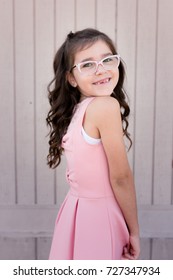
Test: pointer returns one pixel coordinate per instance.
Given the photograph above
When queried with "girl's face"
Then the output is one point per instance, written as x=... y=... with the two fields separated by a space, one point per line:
x=100 y=83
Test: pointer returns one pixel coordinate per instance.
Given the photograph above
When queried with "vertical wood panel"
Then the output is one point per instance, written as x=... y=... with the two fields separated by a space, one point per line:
x=44 y=43
x=145 y=94
x=85 y=14
x=126 y=42
x=145 y=249
x=7 y=142
x=65 y=22
x=162 y=249
x=164 y=101
x=17 y=248
x=65 y=19
x=24 y=74
x=172 y=169
x=43 y=248
x=106 y=17
x=26 y=55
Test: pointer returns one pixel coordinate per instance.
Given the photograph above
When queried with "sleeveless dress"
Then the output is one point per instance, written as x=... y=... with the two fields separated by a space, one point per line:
x=90 y=224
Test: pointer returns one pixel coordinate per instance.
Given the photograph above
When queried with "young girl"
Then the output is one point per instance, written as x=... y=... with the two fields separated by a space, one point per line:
x=88 y=119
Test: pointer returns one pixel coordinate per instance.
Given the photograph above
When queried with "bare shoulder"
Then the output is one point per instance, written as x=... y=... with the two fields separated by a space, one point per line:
x=103 y=106
x=105 y=101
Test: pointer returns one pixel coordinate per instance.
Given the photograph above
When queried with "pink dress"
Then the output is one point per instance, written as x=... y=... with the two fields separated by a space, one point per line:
x=90 y=224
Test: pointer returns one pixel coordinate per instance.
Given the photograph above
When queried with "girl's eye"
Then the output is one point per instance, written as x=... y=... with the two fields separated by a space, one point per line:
x=108 y=59
x=87 y=64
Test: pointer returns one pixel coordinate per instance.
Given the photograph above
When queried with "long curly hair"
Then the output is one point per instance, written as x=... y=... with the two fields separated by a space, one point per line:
x=63 y=97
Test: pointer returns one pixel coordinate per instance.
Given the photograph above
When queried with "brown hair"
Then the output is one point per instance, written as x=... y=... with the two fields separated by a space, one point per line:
x=63 y=97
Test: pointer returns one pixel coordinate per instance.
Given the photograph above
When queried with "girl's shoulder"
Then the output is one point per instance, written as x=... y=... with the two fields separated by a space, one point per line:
x=103 y=106
x=102 y=110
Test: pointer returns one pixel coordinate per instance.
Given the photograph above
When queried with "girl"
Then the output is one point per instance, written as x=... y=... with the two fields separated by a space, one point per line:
x=88 y=119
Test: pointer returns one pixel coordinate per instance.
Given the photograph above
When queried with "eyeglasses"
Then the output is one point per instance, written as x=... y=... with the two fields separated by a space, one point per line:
x=90 y=67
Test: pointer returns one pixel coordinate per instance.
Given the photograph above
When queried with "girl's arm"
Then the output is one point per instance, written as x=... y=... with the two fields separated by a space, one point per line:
x=107 y=119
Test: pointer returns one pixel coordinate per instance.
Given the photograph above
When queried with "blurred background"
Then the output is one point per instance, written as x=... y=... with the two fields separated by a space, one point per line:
x=31 y=193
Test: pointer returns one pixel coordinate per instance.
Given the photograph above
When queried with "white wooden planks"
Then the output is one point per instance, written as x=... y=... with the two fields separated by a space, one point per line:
x=30 y=33
x=17 y=248
x=7 y=109
x=162 y=249
x=126 y=44
x=106 y=17
x=24 y=89
x=43 y=248
x=64 y=20
x=145 y=249
x=85 y=19
x=43 y=55
x=163 y=106
x=145 y=98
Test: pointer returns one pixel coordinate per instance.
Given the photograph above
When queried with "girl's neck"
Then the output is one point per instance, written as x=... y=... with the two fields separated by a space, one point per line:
x=82 y=98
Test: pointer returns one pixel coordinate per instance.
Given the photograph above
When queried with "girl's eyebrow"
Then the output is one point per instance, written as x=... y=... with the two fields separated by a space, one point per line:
x=92 y=59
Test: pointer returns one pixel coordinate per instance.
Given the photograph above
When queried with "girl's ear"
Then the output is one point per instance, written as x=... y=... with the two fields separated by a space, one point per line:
x=71 y=79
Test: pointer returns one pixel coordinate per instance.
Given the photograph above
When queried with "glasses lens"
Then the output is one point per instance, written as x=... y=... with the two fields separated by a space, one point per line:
x=88 y=67
x=111 y=62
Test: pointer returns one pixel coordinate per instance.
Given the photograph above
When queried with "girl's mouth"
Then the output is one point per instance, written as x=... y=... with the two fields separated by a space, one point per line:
x=103 y=81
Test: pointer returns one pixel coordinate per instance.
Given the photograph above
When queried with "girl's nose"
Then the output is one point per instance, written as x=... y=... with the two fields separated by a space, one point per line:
x=100 y=69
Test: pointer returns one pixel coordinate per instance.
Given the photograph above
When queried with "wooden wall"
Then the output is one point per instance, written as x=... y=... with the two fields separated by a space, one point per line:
x=30 y=193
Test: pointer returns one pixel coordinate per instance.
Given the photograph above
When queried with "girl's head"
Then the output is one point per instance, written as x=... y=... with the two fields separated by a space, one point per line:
x=87 y=44
x=101 y=74
x=95 y=70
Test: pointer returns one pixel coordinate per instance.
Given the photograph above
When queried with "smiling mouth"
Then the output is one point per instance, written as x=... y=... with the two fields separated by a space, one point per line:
x=101 y=82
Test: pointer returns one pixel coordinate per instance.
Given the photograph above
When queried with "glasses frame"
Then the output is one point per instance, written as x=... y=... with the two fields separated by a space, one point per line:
x=100 y=62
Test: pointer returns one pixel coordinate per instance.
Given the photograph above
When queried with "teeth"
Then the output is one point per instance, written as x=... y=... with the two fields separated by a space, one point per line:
x=102 y=81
